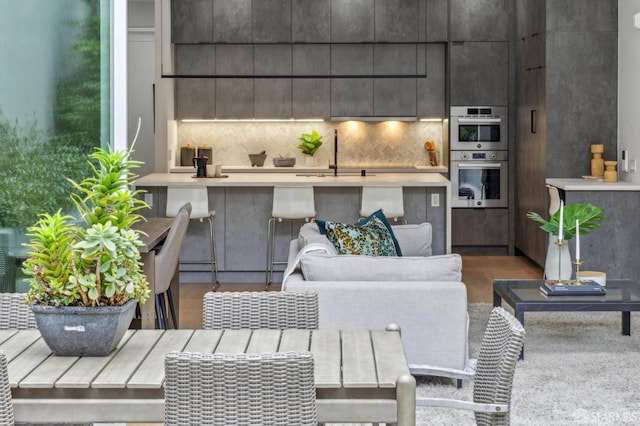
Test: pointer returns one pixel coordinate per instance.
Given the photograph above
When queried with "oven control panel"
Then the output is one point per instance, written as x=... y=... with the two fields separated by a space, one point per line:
x=479 y=155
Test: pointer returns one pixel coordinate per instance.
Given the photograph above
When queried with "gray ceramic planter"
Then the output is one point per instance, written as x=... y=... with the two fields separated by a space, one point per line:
x=83 y=331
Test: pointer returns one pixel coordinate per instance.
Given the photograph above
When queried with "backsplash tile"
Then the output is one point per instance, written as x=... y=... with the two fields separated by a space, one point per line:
x=389 y=143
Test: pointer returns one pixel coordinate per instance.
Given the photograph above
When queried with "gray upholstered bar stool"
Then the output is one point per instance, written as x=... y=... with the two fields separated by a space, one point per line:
x=387 y=198
x=289 y=203
x=177 y=196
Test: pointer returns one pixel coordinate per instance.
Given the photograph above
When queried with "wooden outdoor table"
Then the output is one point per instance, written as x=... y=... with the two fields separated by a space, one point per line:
x=360 y=375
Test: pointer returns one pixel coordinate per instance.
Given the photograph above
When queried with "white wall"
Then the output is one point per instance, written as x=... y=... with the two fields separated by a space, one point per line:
x=628 y=87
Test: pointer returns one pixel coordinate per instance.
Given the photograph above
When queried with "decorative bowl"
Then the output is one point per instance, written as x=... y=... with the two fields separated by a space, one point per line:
x=284 y=161
x=257 y=159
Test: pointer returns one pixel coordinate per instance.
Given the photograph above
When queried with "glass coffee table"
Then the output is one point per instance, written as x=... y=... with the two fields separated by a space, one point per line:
x=524 y=296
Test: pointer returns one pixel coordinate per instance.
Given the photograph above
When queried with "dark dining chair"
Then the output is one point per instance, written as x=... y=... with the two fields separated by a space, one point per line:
x=6 y=403
x=14 y=313
x=240 y=389
x=166 y=262
x=499 y=353
x=260 y=309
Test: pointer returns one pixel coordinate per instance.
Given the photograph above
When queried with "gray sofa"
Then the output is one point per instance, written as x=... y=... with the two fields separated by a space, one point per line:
x=421 y=293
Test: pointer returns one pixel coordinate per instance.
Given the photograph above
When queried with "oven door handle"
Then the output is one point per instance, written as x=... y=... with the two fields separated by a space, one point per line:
x=469 y=165
x=478 y=120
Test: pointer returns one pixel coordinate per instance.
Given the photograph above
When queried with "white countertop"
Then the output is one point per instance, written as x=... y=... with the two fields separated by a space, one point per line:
x=315 y=179
x=321 y=169
x=578 y=184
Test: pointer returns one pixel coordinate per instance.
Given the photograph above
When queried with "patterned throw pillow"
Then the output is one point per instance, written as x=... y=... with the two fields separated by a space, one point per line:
x=372 y=238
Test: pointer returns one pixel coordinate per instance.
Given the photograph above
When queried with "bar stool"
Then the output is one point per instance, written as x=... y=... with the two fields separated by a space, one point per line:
x=289 y=203
x=177 y=196
x=387 y=198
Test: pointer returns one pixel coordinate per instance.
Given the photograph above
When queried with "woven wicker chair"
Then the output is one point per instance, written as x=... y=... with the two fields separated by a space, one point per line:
x=260 y=309
x=499 y=353
x=240 y=389
x=6 y=404
x=14 y=313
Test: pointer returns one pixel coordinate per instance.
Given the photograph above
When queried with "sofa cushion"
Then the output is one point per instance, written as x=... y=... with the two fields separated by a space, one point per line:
x=414 y=239
x=321 y=267
x=310 y=234
x=372 y=238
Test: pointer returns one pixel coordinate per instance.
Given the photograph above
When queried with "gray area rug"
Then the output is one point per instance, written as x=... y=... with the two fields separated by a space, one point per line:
x=578 y=370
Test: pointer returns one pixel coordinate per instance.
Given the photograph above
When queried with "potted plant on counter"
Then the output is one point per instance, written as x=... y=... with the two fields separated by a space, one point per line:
x=309 y=144
x=85 y=275
x=586 y=215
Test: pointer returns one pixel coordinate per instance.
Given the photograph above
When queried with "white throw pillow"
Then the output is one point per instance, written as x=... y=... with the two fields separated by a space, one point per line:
x=321 y=267
x=414 y=239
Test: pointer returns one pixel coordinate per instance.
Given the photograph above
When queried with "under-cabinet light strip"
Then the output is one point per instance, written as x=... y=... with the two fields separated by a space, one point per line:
x=250 y=120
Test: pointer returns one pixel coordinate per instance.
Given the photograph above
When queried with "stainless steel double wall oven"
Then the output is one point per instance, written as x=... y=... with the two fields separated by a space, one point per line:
x=479 y=156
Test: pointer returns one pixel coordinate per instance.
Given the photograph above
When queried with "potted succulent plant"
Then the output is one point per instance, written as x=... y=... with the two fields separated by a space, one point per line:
x=83 y=272
x=309 y=144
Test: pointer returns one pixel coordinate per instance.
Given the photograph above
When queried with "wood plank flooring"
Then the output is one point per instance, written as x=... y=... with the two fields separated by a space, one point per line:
x=478 y=273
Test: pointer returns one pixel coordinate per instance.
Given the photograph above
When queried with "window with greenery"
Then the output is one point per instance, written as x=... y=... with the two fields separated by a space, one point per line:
x=52 y=102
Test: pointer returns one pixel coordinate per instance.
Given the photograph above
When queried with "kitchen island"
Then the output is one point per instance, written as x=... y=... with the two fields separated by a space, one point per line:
x=242 y=202
x=612 y=247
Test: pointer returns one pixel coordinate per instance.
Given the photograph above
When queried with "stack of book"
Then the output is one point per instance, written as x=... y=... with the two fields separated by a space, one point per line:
x=586 y=288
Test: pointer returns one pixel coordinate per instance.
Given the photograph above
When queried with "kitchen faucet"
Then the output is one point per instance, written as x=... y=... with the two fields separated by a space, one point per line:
x=334 y=166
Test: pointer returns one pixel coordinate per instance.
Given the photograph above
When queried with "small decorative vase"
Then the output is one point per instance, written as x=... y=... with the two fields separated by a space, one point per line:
x=310 y=161
x=597 y=163
x=610 y=174
x=557 y=265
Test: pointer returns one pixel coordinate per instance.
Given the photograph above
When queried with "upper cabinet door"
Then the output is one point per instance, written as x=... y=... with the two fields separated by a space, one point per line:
x=232 y=21
x=271 y=21
x=192 y=21
x=397 y=21
x=481 y=20
x=311 y=21
x=352 y=21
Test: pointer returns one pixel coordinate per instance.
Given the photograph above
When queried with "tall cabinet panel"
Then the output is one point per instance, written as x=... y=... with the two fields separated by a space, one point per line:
x=431 y=90
x=481 y=20
x=195 y=97
x=479 y=73
x=352 y=96
x=395 y=96
x=272 y=95
x=234 y=96
x=567 y=73
x=271 y=21
x=312 y=96
x=352 y=21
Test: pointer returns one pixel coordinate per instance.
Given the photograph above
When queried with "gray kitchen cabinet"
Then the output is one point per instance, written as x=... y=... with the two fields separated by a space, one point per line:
x=479 y=73
x=311 y=21
x=567 y=72
x=436 y=20
x=480 y=228
x=352 y=96
x=431 y=90
x=192 y=21
x=234 y=96
x=195 y=97
x=481 y=20
x=352 y=21
x=245 y=229
x=397 y=21
x=271 y=21
x=232 y=21
x=395 y=96
x=312 y=96
x=272 y=96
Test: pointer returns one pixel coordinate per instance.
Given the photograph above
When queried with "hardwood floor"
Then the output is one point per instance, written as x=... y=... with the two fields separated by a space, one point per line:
x=478 y=273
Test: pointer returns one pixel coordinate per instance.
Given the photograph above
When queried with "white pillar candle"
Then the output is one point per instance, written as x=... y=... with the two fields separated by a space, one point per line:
x=560 y=233
x=577 y=240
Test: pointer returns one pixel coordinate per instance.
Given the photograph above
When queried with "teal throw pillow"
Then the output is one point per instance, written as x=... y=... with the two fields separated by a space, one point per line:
x=371 y=238
x=380 y=215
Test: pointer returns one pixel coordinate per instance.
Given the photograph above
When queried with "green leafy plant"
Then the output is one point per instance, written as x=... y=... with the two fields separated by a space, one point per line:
x=587 y=215
x=310 y=142
x=97 y=264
